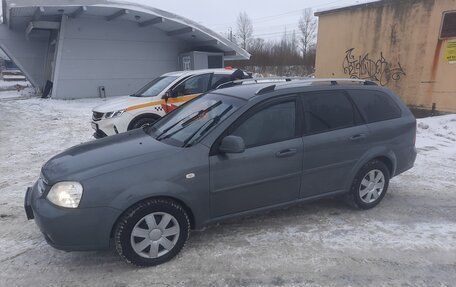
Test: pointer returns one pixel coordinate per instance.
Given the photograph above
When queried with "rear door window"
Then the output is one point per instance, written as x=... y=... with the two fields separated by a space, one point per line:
x=375 y=106
x=329 y=110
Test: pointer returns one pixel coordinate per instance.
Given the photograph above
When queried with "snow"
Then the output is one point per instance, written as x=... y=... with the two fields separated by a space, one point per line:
x=409 y=239
x=11 y=78
x=4 y=84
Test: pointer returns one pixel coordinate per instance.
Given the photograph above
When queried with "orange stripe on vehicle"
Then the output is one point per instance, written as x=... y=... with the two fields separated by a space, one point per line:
x=141 y=106
x=161 y=102
x=182 y=99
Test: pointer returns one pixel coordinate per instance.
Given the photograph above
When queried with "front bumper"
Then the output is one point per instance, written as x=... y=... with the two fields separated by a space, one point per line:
x=28 y=204
x=99 y=134
x=80 y=229
x=109 y=127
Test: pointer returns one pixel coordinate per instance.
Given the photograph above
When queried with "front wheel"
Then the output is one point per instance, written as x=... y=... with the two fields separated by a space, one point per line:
x=370 y=185
x=143 y=122
x=152 y=232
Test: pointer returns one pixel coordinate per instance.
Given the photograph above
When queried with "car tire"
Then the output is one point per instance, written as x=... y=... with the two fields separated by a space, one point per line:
x=370 y=185
x=151 y=232
x=142 y=122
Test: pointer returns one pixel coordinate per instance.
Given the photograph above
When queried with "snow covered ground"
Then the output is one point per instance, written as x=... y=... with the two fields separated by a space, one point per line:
x=408 y=240
x=9 y=90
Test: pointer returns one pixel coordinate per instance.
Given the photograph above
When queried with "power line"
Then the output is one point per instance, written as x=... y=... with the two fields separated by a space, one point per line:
x=288 y=27
x=275 y=16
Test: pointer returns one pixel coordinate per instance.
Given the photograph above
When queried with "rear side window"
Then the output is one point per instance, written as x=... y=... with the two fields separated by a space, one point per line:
x=325 y=111
x=375 y=106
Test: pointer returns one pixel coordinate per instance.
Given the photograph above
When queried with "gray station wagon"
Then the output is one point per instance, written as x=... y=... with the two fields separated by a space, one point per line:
x=230 y=152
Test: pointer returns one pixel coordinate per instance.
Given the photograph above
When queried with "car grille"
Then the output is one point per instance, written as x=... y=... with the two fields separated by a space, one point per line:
x=97 y=116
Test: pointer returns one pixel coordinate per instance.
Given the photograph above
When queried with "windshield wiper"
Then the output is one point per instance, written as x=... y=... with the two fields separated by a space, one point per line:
x=187 y=122
x=210 y=123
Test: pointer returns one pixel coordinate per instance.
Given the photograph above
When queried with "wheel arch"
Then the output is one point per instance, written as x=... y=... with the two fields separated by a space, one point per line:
x=142 y=116
x=388 y=162
x=384 y=155
x=186 y=208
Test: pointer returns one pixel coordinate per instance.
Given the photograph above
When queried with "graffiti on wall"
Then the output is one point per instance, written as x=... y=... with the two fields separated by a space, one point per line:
x=366 y=68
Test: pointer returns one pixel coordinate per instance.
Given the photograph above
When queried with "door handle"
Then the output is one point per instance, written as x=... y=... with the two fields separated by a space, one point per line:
x=357 y=137
x=287 y=152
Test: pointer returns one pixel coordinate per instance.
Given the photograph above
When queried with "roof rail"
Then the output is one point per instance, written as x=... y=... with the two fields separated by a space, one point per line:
x=331 y=81
x=337 y=81
x=265 y=90
x=260 y=81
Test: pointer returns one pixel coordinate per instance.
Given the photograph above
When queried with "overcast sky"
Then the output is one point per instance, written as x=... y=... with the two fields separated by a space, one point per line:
x=270 y=18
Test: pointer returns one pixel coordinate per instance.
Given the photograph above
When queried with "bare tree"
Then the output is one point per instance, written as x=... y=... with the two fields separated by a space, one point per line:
x=308 y=31
x=293 y=42
x=244 y=29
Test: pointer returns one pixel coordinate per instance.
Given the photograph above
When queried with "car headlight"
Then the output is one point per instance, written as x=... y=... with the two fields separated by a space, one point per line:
x=66 y=194
x=111 y=115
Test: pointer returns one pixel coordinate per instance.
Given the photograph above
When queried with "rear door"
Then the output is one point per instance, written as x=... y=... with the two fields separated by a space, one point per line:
x=334 y=140
x=269 y=171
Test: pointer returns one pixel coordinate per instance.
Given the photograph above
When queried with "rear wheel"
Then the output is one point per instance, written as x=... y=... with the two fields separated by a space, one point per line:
x=370 y=185
x=152 y=232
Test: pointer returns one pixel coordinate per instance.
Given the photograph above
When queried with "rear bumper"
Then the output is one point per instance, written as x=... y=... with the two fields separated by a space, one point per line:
x=405 y=160
x=80 y=229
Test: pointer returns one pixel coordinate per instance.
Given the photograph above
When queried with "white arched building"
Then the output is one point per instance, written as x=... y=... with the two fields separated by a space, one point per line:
x=84 y=46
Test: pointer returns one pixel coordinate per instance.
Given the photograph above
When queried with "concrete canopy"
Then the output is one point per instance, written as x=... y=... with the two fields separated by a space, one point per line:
x=39 y=20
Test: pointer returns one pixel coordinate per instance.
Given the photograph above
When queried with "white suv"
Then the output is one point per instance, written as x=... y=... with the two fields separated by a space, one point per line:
x=155 y=100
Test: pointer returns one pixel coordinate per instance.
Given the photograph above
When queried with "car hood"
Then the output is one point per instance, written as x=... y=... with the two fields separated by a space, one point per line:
x=123 y=102
x=102 y=156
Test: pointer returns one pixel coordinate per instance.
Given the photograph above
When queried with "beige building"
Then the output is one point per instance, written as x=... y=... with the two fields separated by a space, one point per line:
x=408 y=46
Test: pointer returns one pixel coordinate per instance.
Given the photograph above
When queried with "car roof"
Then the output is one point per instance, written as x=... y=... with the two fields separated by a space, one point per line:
x=199 y=72
x=252 y=90
x=242 y=91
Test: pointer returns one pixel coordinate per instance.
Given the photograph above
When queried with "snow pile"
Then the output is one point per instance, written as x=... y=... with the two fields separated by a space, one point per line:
x=13 y=90
x=11 y=84
x=437 y=131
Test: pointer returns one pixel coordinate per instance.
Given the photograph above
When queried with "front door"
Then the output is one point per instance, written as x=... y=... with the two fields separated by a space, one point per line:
x=268 y=172
x=187 y=90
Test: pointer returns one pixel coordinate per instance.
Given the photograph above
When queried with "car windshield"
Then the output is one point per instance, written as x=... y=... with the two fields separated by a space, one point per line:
x=187 y=125
x=155 y=87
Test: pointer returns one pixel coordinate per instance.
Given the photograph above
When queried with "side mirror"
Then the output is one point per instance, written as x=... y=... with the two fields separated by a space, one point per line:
x=232 y=144
x=167 y=95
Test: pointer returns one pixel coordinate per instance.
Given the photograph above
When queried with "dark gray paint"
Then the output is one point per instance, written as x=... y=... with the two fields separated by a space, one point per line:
x=119 y=171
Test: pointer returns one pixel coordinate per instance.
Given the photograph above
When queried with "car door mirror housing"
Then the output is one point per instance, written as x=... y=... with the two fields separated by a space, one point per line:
x=167 y=95
x=232 y=144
